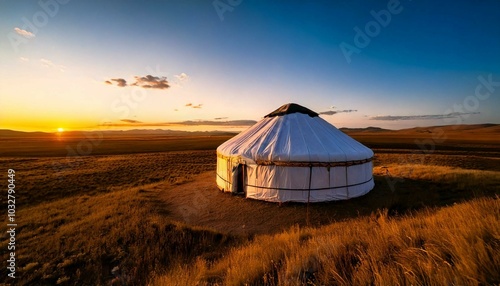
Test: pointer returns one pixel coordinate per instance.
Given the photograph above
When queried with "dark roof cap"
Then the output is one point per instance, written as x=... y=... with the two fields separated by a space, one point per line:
x=292 y=108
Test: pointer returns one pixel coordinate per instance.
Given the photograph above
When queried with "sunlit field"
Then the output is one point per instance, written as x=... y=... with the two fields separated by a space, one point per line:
x=120 y=121
x=456 y=245
x=157 y=218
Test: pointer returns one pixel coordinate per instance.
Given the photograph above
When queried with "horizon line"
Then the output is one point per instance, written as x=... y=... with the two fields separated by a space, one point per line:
x=227 y=131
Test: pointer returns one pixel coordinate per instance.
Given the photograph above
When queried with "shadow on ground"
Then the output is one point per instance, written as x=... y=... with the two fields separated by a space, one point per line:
x=200 y=203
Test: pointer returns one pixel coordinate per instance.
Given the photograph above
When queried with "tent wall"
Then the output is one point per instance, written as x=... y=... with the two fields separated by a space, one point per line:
x=284 y=183
x=223 y=177
x=228 y=174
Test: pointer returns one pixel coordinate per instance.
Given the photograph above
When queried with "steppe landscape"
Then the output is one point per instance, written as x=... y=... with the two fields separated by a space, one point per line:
x=250 y=143
x=132 y=208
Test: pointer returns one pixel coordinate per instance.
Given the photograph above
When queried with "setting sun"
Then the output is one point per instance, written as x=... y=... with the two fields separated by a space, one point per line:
x=60 y=129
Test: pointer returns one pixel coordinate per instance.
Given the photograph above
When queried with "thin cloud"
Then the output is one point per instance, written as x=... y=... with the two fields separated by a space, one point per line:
x=49 y=64
x=220 y=118
x=128 y=122
x=119 y=82
x=193 y=106
x=180 y=80
x=46 y=63
x=182 y=77
x=332 y=112
x=421 y=117
x=150 y=81
x=24 y=33
x=218 y=123
x=23 y=59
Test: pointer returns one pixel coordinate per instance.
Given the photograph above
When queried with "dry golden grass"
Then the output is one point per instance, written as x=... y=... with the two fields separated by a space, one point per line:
x=487 y=161
x=104 y=144
x=477 y=180
x=83 y=216
x=48 y=179
x=78 y=222
x=456 y=245
x=79 y=240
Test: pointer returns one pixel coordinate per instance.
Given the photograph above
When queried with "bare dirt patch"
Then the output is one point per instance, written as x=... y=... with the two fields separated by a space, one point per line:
x=200 y=203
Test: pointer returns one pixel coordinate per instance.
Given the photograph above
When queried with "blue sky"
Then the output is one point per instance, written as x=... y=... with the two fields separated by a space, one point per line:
x=229 y=60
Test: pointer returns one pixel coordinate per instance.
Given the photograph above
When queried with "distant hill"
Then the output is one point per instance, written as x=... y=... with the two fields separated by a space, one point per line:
x=468 y=128
x=15 y=134
x=367 y=129
x=447 y=137
x=162 y=132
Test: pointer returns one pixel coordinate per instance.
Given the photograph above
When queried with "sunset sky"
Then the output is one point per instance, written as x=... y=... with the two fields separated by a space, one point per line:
x=226 y=63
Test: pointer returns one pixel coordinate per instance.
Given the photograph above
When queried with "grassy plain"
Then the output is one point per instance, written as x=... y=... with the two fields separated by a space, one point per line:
x=135 y=211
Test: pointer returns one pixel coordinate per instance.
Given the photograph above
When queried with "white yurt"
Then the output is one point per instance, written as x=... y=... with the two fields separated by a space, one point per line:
x=293 y=155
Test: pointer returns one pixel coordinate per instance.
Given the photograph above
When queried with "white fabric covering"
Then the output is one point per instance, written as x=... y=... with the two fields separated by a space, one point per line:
x=279 y=153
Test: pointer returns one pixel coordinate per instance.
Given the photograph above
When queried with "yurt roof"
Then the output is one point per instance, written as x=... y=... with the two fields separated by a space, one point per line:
x=293 y=133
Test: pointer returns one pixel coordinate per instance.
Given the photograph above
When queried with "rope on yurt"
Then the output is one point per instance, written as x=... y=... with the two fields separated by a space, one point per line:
x=314 y=164
x=346 y=181
x=329 y=176
x=244 y=184
x=305 y=189
x=309 y=194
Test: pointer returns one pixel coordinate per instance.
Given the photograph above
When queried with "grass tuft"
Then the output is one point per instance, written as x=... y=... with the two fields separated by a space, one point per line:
x=455 y=245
